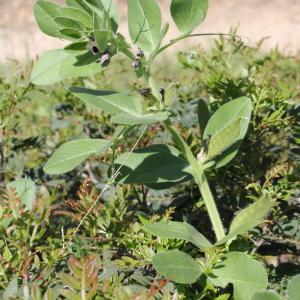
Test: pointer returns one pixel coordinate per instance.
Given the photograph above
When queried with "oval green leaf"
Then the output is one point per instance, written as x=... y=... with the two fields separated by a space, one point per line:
x=109 y=101
x=102 y=11
x=59 y=64
x=248 y=218
x=222 y=141
x=294 y=288
x=71 y=154
x=252 y=215
x=45 y=13
x=188 y=14
x=112 y=11
x=178 y=230
x=144 y=166
x=144 y=23
x=226 y=117
x=246 y=274
x=76 y=14
x=101 y=37
x=70 y=34
x=148 y=119
x=69 y=23
x=80 y=5
x=26 y=191
x=177 y=266
x=266 y=295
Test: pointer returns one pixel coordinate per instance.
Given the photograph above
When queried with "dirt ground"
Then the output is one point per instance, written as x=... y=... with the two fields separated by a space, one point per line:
x=277 y=19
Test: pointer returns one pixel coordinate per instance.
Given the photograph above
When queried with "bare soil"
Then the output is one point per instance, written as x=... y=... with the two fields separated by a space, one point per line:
x=279 y=20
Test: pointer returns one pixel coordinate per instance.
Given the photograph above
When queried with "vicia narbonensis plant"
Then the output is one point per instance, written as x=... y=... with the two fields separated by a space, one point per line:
x=91 y=26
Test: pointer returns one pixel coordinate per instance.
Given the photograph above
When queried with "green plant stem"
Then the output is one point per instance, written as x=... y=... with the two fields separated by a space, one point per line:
x=201 y=181
x=200 y=178
x=211 y=206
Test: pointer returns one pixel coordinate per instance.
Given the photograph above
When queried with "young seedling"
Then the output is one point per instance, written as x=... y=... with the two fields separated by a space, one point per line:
x=92 y=28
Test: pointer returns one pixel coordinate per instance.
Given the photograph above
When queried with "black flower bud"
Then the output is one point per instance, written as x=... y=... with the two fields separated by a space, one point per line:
x=162 y=92
x=140 y=53
x=95 y=50
x=105 y=59
x=145 y=91
x=136 y=63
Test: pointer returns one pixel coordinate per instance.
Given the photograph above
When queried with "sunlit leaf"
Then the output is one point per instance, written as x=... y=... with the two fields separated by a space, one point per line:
x=178 y=230
x=71 y=154
x=109 y=101
x=56 y=65
x=144 y=22
x=147 y=119
x=145 y=165
x=177 y=266
x=293 y=288
x=45 y=13
x=248 y=218
x=76 y=14
x=245 y=273
x=188 y=14
x=224 y=119
x=266 y=295
x=26 y=191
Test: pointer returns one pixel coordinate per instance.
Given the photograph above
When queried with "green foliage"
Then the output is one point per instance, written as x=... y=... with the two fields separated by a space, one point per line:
x=70 y=236
x=248 y=218
x=178 y=230
x=188 y=14
x=144 y=21
x=59 y=64
x=177 y=266
x=71 y=154
x=265 y=295
x=45 y=13
x=293 y=288
x=144 y=165
x=25 y=189
x=109 y=101
x=226 y=130
x=247 y=275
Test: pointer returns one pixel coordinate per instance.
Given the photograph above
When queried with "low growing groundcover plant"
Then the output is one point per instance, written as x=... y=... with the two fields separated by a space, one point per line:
x=186 y=261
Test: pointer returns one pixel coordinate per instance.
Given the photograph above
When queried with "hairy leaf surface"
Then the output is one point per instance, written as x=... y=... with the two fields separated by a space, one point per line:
x=177 y=266
x=178 y=230
x=56 y=65
x=266 y=295
x=148 y=119
x=144 y=21
x=248 y=218
x=145 y=165
x=245 y=273
x=222 y=120
x=109 y=101
x=71 y=154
